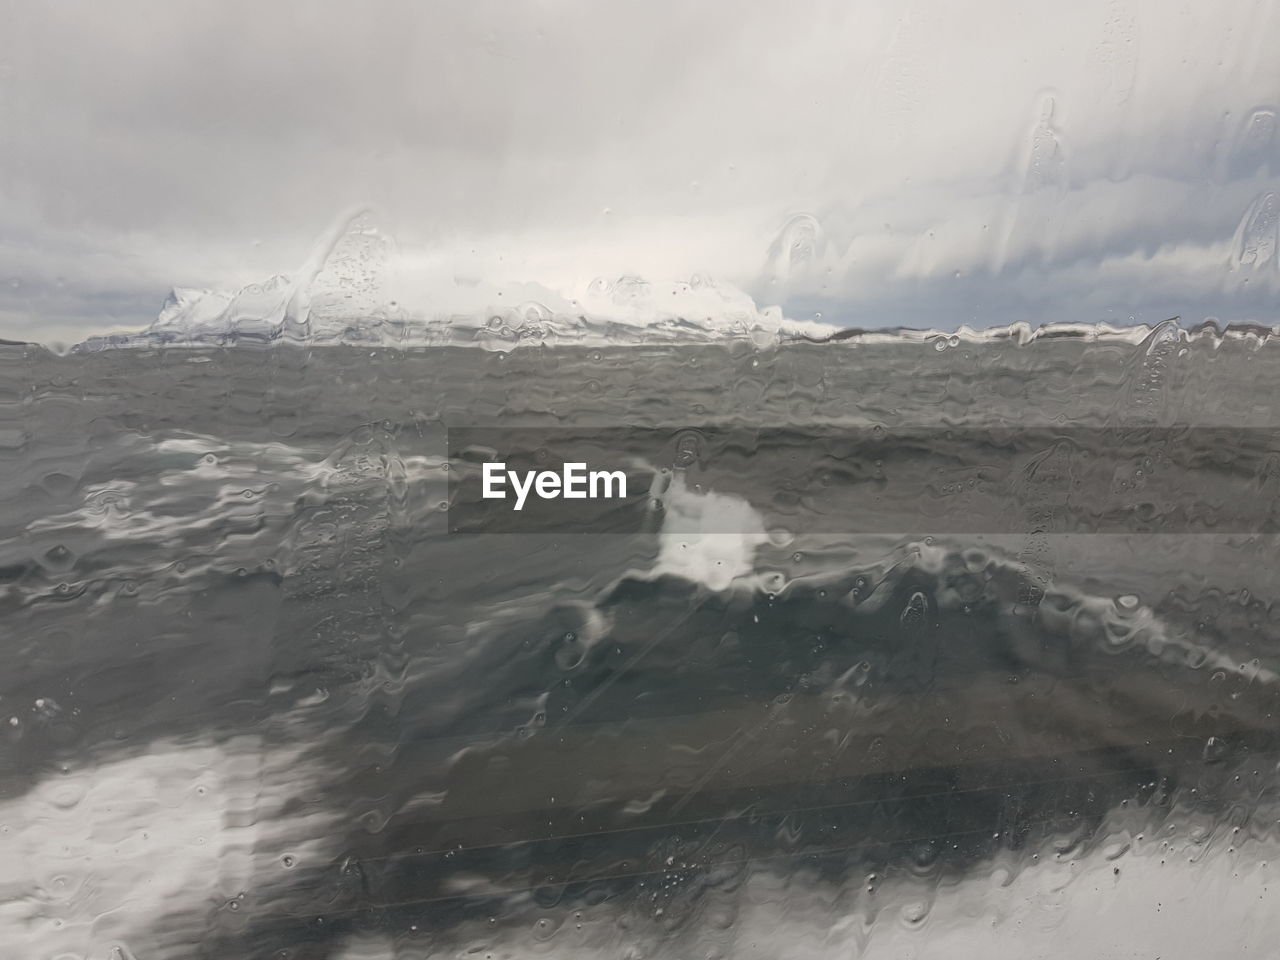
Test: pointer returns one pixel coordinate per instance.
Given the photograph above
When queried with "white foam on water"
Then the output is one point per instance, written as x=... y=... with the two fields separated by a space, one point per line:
x=1154 y=904
x=132 y=857
x=693 y=543
x=1110 y=902
x=198 y=487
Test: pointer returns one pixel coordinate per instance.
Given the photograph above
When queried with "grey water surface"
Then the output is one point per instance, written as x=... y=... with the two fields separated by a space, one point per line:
x=967 y=649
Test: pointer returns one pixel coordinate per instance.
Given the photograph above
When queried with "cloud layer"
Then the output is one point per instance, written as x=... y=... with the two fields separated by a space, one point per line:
x=880 y=164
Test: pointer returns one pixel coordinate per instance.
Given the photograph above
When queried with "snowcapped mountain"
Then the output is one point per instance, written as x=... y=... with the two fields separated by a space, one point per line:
x=355 y=289
x=352 y=290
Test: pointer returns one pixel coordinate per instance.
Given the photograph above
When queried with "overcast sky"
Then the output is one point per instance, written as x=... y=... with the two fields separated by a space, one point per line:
x=881 y=163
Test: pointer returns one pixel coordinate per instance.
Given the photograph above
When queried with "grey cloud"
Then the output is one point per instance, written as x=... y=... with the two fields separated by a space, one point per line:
x=207 y=144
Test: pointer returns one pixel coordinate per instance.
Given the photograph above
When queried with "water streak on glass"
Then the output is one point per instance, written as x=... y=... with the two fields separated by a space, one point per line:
x=939 y=349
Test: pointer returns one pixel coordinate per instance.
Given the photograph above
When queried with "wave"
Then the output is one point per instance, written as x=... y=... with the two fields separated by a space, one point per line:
x=666 y=743
x=644 y=733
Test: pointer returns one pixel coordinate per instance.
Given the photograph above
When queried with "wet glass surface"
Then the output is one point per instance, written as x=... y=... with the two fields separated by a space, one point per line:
x=261 y=699
x=936 y=351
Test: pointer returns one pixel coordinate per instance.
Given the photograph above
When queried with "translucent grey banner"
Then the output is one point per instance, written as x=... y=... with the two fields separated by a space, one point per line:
x=943 y=480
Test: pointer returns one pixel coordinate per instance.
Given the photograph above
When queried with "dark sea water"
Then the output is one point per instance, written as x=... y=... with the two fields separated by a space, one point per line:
x=943 y=649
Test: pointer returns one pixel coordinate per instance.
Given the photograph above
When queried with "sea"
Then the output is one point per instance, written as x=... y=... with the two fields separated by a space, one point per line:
x=900 y=646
